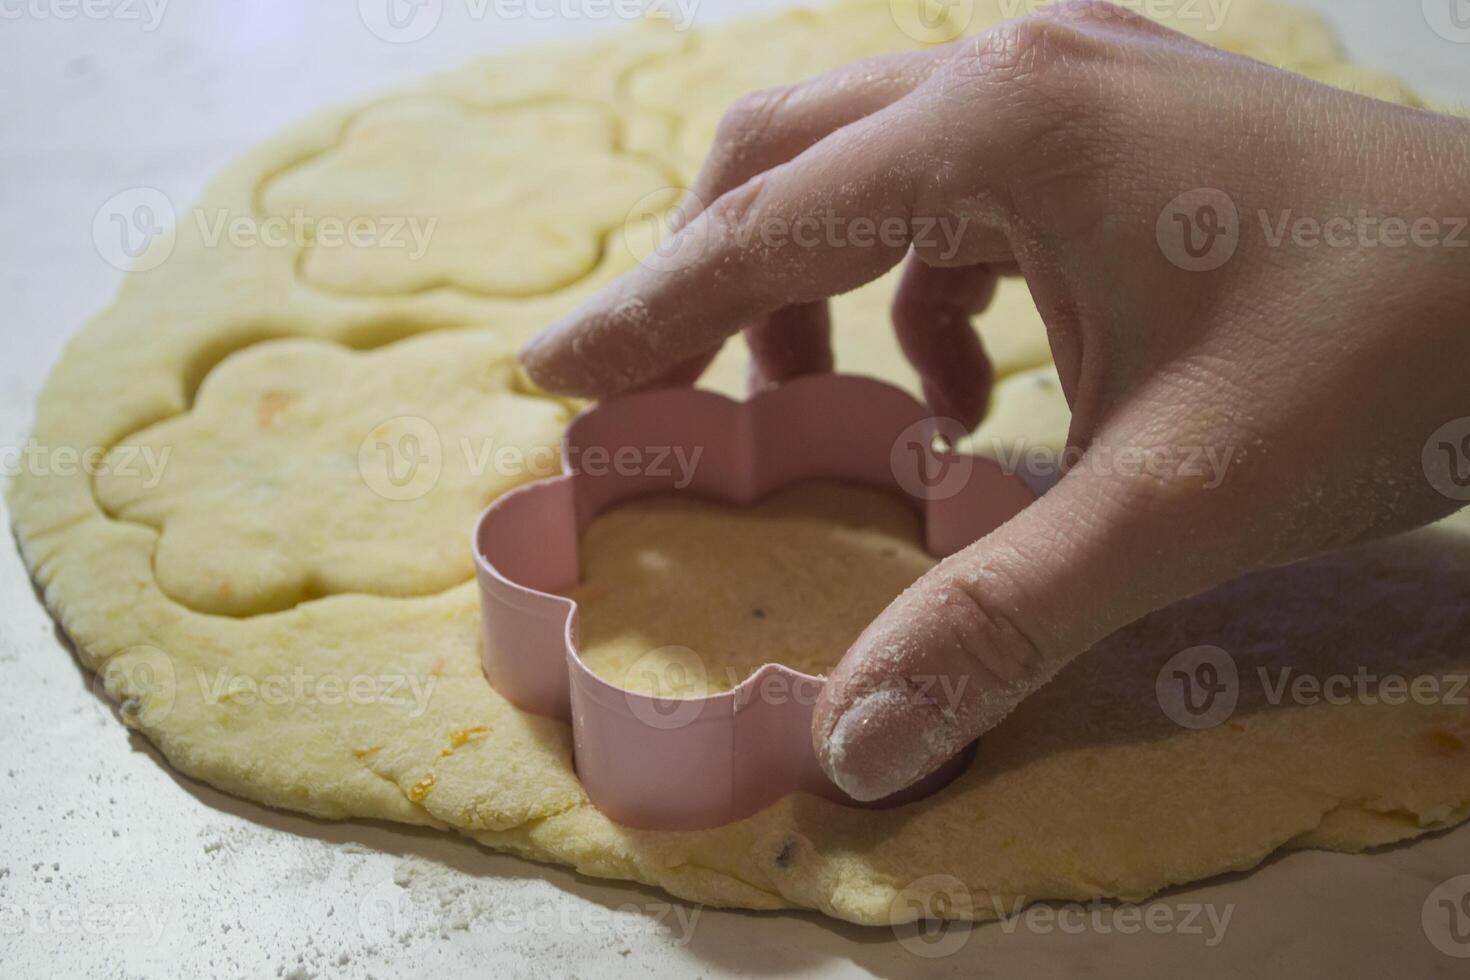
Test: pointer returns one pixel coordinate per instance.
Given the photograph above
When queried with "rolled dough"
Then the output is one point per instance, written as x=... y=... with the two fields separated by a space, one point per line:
x=682 y=598
x=286 y=611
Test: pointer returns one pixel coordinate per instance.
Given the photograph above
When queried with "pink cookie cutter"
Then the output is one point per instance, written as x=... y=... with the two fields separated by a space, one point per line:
x=684 y=764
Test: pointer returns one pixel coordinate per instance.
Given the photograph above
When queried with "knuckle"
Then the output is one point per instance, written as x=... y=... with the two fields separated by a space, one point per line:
x=1154 y=495
x=1093 y=11
x=980 y=616
x=1047 y=84
x=750 y=123
x=741 y=206
x=1174 y=485
x=745 y=134
x=753 y=112
x=1025 y=50
x=739 y=220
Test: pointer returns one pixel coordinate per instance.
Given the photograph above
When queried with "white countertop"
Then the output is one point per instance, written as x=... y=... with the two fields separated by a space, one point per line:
x=112 y=864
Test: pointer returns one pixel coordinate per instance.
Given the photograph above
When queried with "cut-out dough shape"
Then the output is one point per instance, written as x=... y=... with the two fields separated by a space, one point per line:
x=305 y=469
x=512 y=201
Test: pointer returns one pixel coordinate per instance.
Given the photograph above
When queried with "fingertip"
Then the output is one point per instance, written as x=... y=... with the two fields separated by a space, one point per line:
x=874 y=733
x=538 y=358
x=595 y=352
x=530 y=353
x=886 y=741
x=532 y=359
x=965 y=400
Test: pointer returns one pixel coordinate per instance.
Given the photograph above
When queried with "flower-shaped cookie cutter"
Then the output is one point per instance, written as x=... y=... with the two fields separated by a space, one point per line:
x=684 y=764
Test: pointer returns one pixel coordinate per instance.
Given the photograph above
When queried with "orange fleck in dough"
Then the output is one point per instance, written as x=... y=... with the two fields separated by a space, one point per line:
x=271 y=407
x=465 y=734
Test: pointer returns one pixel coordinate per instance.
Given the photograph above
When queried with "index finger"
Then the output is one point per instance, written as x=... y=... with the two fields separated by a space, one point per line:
x=835 y=217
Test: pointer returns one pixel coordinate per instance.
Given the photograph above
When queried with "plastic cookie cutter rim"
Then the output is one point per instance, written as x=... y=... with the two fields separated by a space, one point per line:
x=691 y=763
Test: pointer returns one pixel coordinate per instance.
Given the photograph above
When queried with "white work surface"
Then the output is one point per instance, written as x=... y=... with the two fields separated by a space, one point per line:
x=112 y=864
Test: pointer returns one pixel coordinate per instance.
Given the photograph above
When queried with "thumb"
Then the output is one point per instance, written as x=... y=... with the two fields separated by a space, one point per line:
x=959 y=649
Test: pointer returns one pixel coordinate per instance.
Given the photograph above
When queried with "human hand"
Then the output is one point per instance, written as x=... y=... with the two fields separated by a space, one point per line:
x=1058 y=146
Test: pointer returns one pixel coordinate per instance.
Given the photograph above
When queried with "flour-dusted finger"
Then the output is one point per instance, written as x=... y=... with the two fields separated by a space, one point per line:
x=771 y=126
x=767 y=128
x=829 y=221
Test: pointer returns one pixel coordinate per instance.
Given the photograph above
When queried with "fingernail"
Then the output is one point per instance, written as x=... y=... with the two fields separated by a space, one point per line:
x=968 y=413
x=886 y=741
